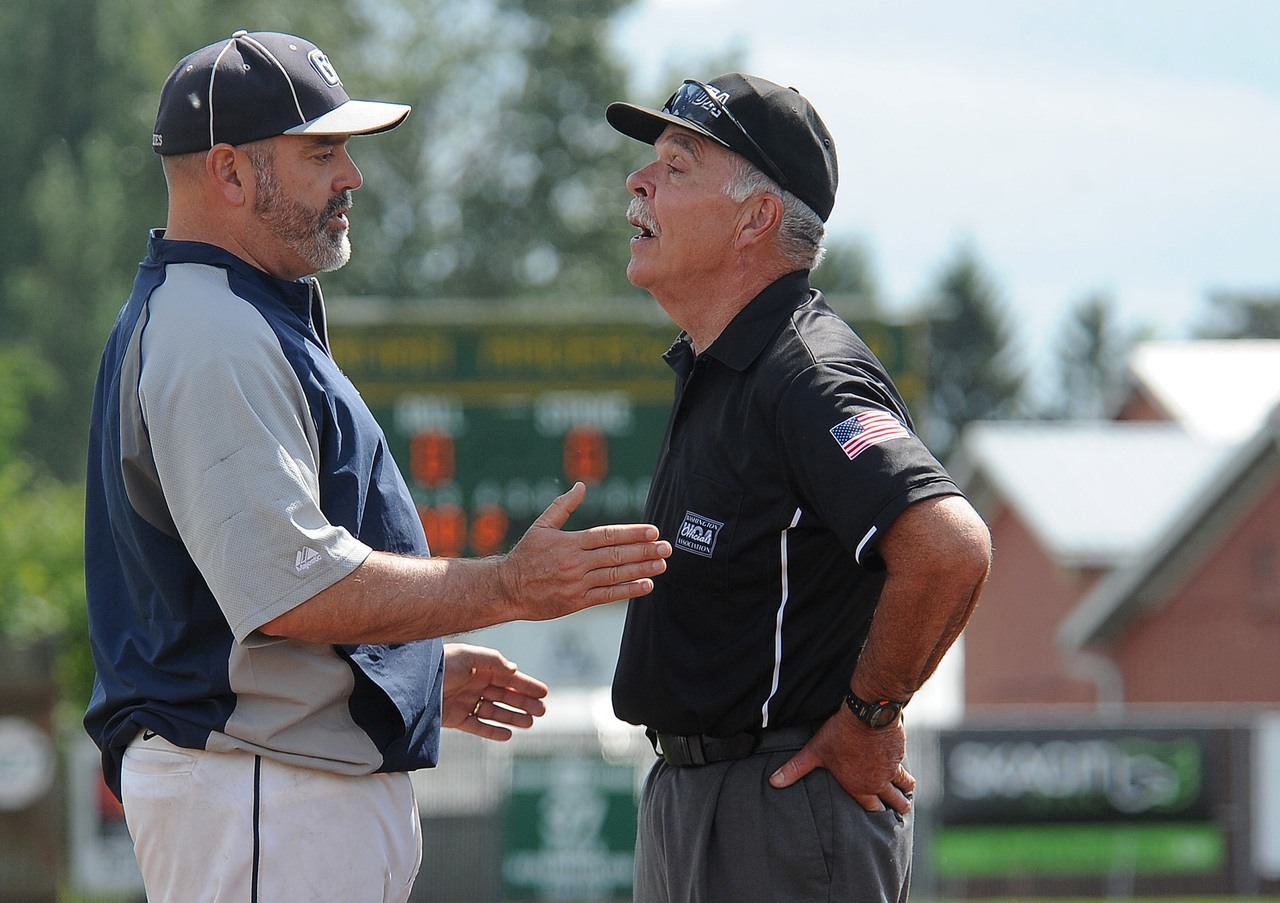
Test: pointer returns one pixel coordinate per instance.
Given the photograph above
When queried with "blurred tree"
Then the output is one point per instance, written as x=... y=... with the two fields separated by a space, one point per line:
x=971 y=372
x=41 y=537
x=84 y=181
x=1090 y=355
x=506 y=180
x=847 y=272
x=1242 y=315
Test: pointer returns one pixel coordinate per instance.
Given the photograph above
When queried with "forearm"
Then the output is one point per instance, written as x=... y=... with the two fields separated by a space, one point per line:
x=938 y=555
x=397 y=598
x=910 y=634
x=549 y=573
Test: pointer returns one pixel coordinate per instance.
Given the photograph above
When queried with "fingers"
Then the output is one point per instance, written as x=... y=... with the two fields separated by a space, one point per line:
x=616 y=565
x=895 y=794
x=624 y=581
x=794 y=769
x=897 y=801
x=617 y=592
x=488 y=710
x=551 y=572
x=484 y=729
x=512 y=702
x=501 y=673
x=617 y=535
x=558 y=511
x=610 y=537
x=620 y=545
x=869 y=801
x=525 y=685
x=498 y=708
x=905 y=781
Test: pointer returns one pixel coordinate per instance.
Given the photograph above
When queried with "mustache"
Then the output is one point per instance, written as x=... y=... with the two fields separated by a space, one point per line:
x=343 y=200
x=638 y=215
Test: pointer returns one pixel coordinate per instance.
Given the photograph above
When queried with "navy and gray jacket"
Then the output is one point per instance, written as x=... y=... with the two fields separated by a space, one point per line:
x=234 y=472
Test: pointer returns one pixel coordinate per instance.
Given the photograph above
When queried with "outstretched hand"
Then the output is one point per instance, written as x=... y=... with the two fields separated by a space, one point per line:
x=553 y=572
x=483 y=691
x=865 y=761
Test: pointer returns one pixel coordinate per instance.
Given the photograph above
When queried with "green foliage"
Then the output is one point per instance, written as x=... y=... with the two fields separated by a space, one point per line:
x=42 y=570
x=41 y=540
x=1242 y=315
x=84 y=182
x=847 y=272
x=972 y=375
x=506 y=180
x=1090 y=353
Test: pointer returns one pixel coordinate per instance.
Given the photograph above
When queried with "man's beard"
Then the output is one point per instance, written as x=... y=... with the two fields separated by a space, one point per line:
x=304 y=229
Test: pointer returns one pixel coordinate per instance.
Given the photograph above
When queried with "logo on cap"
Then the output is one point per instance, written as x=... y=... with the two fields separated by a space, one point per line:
x=321 y=64
x=721 y=96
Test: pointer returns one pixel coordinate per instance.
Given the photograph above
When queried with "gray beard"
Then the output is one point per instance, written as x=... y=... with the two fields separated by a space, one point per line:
x=305 y=230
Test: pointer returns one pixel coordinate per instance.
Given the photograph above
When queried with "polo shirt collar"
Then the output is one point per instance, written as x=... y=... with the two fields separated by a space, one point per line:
x=747 y=334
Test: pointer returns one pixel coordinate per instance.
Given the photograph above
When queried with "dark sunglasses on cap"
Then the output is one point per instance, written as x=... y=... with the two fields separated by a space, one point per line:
x=695 y=102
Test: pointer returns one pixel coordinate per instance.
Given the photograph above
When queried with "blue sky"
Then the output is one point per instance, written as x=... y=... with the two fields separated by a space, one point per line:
x=1130 y=147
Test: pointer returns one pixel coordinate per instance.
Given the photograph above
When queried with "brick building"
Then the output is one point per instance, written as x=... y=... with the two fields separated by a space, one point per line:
x=1137 y=559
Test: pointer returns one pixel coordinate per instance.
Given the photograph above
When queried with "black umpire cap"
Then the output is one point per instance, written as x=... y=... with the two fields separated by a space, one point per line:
x=773 y=127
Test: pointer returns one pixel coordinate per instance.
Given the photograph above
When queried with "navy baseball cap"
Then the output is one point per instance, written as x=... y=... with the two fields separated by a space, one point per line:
x=773 y=127
x=259 y=85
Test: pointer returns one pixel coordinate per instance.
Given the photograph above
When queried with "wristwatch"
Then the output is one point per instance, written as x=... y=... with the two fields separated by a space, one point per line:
x=874 y=714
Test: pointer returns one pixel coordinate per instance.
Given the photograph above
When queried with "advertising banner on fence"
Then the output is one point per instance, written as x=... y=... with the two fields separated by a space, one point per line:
x=1080 y=801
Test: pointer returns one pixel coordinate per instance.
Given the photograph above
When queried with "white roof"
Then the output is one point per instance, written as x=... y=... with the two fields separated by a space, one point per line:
x=1216 y=388
x=1181 y=546
x=1093 y=493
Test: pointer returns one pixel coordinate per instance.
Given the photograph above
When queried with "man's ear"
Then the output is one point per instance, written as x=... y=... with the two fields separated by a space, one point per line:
x=761 y=219
x=229 y=173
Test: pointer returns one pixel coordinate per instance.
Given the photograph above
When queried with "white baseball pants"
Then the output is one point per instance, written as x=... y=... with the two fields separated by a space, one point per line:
x=212 y=827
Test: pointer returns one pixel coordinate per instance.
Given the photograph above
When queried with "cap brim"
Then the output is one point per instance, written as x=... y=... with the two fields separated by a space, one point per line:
x=355 y=117
x=646 y=125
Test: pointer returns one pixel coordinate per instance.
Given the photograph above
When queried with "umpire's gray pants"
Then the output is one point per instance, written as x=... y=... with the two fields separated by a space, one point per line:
x=720 y=834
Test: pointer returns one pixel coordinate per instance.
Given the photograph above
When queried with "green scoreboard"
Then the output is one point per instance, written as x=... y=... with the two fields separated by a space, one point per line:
x=492 y=412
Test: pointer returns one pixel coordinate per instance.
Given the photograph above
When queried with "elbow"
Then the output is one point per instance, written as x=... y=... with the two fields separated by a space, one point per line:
x=292 y=625
x=979 y=552
x=965 y=550
x=281 y=627
x=941 y=541
x=973 y=554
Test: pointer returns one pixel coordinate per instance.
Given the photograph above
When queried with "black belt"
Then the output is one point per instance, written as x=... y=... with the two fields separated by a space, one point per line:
x=683 y=750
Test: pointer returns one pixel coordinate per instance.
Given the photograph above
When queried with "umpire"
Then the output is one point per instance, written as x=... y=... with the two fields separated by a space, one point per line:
x=823 y=559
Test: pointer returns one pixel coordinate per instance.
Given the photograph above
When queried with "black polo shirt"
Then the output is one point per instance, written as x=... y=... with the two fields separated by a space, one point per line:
x=788 y=454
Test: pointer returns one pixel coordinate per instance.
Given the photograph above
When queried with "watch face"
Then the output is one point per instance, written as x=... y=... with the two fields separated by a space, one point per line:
x=884 y=715
x=874 y=714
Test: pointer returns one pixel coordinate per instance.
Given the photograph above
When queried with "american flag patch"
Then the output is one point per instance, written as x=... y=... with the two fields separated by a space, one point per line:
x=861 y=431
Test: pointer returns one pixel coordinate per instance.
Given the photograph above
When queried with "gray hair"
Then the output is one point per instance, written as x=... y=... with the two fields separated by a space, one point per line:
x=261 y=154
x=802 y=231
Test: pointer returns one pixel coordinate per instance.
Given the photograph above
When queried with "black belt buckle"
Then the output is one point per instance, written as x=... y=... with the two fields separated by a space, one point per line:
x=684 y=750
x=690 y=748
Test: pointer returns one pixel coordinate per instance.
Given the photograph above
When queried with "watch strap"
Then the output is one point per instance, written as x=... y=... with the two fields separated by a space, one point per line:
x=879 y=714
